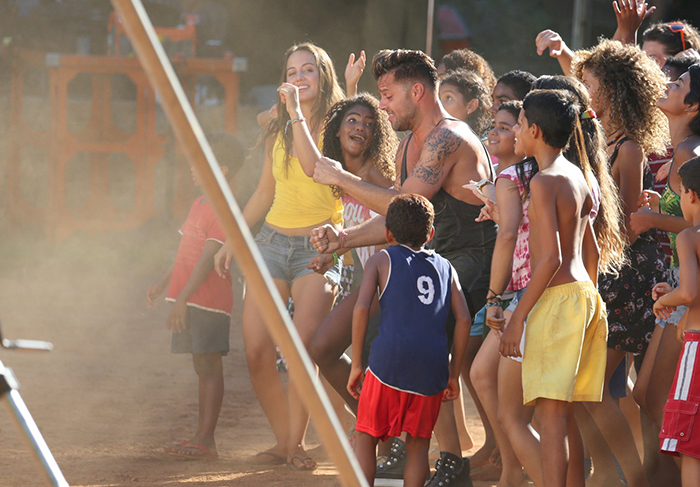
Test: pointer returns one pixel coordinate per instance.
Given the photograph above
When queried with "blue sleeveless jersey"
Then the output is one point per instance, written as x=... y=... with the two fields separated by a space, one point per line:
x=410 y=353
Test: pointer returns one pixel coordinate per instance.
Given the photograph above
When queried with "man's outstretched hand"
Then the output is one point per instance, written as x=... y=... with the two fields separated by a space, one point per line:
x=325 y=239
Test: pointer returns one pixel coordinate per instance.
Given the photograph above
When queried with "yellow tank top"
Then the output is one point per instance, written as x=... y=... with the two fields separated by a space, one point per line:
x=299 y=201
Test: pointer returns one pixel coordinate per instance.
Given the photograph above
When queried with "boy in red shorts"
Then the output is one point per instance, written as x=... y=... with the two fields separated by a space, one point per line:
x=680 y=431
x=410 y=372
x=201 y=304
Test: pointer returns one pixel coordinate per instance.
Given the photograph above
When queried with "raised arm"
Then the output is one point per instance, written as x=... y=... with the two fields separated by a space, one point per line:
x=548 y=39
x=306 y=149
x=353 y=72
x=630 y=14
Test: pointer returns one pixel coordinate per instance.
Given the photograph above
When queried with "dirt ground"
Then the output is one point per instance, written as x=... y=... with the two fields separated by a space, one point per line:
x=110 y=395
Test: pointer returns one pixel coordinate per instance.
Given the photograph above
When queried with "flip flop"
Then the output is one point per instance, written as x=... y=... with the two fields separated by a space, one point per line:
x=303 y=466
x=277 y=458
x=206 y=454
x=174 y=449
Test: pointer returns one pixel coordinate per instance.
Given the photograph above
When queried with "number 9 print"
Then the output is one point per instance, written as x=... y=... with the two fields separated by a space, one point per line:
x=426 y=289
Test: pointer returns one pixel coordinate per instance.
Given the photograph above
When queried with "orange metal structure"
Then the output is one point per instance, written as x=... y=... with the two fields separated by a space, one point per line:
x=101 y=137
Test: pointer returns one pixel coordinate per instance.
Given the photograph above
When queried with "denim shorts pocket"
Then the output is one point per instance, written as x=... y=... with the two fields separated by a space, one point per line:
x=264 y=236
x=679 y=417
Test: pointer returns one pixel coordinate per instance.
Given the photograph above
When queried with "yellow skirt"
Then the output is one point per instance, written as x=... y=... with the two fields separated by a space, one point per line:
x=566 y=345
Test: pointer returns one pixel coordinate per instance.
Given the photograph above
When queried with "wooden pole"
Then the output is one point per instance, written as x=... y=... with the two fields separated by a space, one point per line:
x=191 y=137
x=429 y=30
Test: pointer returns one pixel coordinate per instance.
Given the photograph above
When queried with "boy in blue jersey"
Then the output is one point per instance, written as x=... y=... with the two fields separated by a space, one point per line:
x=410 y=371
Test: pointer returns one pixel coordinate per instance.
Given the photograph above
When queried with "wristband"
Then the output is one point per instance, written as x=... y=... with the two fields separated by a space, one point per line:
x=292 y=122
x=491 y=304
x=336 y=259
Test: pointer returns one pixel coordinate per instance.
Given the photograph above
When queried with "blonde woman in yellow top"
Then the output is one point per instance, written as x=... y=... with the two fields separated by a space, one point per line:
x=292 y=205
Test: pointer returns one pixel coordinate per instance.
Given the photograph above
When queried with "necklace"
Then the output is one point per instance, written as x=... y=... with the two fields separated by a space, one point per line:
x=614 y=139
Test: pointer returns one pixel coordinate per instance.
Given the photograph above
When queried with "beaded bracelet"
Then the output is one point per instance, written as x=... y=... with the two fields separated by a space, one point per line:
x=336 y=259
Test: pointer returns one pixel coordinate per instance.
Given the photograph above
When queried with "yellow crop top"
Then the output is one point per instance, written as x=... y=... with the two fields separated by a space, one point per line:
x=299 y=201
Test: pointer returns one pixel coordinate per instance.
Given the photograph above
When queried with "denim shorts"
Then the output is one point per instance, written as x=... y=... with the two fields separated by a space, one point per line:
x=287 y=257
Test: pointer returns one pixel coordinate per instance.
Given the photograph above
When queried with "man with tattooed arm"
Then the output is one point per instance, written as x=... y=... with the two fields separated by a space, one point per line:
x=438 y=156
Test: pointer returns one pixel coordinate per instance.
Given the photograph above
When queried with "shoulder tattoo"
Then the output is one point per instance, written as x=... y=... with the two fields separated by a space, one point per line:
x=440 y=144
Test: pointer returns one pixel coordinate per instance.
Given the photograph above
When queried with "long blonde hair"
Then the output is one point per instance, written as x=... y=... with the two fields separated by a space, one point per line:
x=329 y=93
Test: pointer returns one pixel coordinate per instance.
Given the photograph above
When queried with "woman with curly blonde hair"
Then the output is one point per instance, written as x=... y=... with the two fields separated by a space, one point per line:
x=624 y=85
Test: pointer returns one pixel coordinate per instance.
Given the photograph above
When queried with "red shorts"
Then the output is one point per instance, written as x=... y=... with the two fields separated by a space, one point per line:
x=680 y=432
x=384 y=411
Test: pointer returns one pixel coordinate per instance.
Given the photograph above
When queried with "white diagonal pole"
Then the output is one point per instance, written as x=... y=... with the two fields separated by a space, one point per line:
x=191 y=137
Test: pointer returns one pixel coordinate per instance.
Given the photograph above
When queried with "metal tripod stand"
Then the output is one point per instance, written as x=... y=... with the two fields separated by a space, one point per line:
x=9 y=396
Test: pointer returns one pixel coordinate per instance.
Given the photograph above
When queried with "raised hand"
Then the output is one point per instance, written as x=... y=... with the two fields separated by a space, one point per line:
x=353 y=72
x=289 y=94
x=548 y=39
x=630 y=14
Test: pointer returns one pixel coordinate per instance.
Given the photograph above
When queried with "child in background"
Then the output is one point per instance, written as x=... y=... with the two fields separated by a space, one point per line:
x=513 y=85
x=202 y=304
x=465 y=96
x=410 y=372
x=679 y=433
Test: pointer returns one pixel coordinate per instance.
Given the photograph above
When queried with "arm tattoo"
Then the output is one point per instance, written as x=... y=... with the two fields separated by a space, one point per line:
x=439 y=145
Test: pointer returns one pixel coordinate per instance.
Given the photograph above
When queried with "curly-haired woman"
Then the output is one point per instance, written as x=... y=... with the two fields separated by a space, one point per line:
x=624 y=85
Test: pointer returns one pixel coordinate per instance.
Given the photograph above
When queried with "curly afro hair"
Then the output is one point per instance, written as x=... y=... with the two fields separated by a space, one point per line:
x=383 y=146
x=630 y=83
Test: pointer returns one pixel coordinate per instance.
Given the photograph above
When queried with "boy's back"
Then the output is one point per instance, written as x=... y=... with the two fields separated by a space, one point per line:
x=560 y=195
x=410 y=352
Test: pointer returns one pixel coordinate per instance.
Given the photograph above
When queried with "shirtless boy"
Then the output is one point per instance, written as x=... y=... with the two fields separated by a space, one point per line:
x=565 y=340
